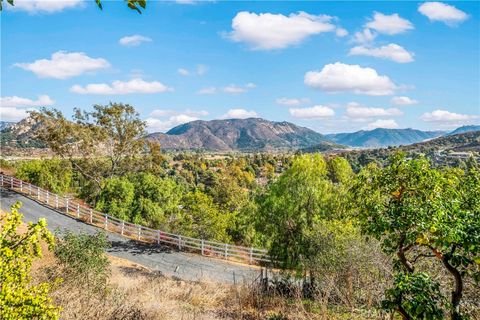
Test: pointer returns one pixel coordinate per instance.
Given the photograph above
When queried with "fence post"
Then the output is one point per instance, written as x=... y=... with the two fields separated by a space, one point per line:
x=48 y=196
x=30 y=189
x=123 y=227
x=158 y=237
x=91 y=216
x=21 y=186
x=179 y=242
x=226 y=250
x=11 y=182
x=139 y=232
x=66 y=203
x=38 y=193
x=1 y=179
x=56 y=201
x=203 y=246
x=106 y=222
x=251 y=255
x=78 y=211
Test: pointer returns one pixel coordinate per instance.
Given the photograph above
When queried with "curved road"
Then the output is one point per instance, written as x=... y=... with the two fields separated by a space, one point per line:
x=163 y=259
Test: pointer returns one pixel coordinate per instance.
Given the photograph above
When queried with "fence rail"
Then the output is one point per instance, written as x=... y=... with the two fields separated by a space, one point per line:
x=88 y=215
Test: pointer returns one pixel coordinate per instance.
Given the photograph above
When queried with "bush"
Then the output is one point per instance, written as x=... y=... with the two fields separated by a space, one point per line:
x=83 y=260
x=52 y=174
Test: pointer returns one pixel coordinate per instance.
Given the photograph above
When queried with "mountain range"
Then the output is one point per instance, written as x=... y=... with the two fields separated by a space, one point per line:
x=252 y=134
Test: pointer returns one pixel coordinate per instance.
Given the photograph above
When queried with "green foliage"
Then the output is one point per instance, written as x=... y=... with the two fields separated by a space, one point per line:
x=19 y=297
x=83 y=260
x=116 y=198
x=415 y=295
x=410 y=206
x=291 y=206
x=52 y=174
x=201 y=218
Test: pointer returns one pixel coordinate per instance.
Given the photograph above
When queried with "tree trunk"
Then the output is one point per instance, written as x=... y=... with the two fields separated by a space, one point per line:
x=457 y=293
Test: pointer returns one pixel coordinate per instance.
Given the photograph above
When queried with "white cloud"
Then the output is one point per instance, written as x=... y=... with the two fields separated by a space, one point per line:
x=121 y=87
x=389 y=24
x=380 y=123
x=183 y=72
x=438 y=11
x=391 y=51
x=341 y=32
x=13 y=113
x=154 y=125
x=239 y=114
x=45 y=6
x=354 y=110
x=364 y=36
x=207 y=90
x=133 y=41
x=234 y=89
x=63 y=65
x=339 y=77
x=292 y=101
x=200 y=70
x=315 y=112
x=403 y=101
x=267 y=31
x=15 y=101
x=444 y=116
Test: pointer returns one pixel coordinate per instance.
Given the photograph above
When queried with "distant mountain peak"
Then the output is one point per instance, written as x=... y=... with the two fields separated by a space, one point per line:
x=251 y=134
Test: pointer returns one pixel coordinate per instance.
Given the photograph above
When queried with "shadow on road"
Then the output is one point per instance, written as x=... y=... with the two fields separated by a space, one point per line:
x=138 y=248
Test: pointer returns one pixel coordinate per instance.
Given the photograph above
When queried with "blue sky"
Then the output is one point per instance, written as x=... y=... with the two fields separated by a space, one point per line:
x=330 y=66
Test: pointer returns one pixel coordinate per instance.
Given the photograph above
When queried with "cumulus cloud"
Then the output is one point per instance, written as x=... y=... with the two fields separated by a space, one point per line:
x=267 y=31
x=291 y=101
x=239 y=114
x=355 y=110
x=391 y=51
x=63 y=65
x=45 y=6
x=438 y=11
x=13 y=113
x=121 y=87
x=446 y=117
x=315 y=112
x=155 y=125
x=382 y=123
x=339 y=77
x=15 y=101
x=232 y=88
x=403 y=101
x=183 y=72
x=134 y=40
x=364 y=36
x=389 y=24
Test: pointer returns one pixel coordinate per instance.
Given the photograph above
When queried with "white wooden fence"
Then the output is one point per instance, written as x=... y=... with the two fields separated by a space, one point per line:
x=88 y=215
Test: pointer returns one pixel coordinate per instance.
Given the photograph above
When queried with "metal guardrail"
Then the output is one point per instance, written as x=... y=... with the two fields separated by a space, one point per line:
x=134 y=231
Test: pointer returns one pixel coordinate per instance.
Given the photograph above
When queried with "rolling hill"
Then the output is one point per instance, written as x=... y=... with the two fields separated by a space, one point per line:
x=381 y=137
x=252 y=134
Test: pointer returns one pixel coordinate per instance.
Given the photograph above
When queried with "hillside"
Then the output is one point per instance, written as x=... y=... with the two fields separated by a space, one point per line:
x=465 y=142
x=251 y=134
x=464 y=129
x=5 y=124
x=21 y=134
x=381 y=137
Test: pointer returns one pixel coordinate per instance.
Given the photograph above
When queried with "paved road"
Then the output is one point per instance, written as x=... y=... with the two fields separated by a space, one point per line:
x=162 y=259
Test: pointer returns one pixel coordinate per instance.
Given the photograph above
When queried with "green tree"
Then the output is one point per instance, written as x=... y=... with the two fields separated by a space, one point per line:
x=201 y=218
x=290 y=208
x=117 y=198
x=419 y=212
x=19 y=297
x=52 y=174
